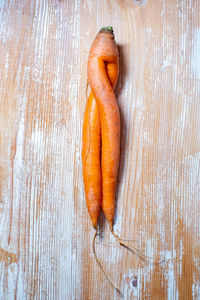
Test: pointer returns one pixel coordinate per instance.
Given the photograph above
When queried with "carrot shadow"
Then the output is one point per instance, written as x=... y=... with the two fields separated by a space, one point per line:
x=101 y=221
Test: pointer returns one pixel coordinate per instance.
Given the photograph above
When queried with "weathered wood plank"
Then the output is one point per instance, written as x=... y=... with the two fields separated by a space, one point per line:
x=45 y=230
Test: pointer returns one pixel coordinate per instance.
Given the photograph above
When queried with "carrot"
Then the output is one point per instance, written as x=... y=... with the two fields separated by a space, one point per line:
x=104 y=60
x=91 y=150
x=91 y=159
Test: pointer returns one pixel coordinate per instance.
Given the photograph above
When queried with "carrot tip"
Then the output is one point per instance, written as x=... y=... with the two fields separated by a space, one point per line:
x=94 y=223
x=95 y=227
x=111 y=226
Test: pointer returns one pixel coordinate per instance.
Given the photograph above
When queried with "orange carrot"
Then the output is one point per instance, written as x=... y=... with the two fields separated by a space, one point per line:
x=104 y=60
x=91 y=159
x=91 y=137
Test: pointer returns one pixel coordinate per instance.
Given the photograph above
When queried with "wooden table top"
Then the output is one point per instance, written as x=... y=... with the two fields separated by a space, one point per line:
x=45 y=230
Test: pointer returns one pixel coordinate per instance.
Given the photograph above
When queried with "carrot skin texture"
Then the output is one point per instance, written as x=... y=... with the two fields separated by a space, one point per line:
x=104 y=52
x=91 y=159
x=91 y=150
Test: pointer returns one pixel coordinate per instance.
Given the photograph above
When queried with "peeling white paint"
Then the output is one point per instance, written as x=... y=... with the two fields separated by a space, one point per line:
x=37 y=75
x=130 y=285
x=37 y=139
x=172 y=289
x=167 y=62
x=196 y=288
x=195 y=60
x=18 y=162
x=138 y=2
x=163 y=9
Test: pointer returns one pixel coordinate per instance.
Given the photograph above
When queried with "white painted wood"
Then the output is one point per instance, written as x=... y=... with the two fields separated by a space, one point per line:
x=45 y=230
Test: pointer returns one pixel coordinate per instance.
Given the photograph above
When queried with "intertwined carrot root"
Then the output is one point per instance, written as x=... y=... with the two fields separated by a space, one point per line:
x=101 y=124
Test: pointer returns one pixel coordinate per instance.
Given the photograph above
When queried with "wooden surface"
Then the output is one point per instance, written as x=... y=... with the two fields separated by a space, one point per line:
x=45 y=230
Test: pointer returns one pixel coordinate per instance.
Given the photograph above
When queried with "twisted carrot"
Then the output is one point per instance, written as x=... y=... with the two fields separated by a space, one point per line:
x=103 y=65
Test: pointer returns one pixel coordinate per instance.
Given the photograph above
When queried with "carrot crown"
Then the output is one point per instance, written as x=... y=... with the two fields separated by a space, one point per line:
x=107 y=29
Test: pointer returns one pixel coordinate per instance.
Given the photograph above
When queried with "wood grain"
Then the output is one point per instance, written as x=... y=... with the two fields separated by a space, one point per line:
x=45 y=230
